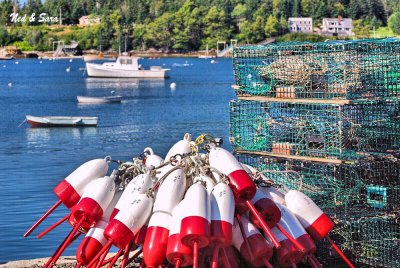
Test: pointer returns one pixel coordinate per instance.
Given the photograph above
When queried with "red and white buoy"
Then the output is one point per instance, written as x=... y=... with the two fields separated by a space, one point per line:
x=240 y=182
x=88 y=211
x=195 y=225
x=178 y=254
x=313 y=219
x=274 y=194
x=94 y=239
x=251 y=244
x=222 y=215
x=70 y=190
x=122 y=228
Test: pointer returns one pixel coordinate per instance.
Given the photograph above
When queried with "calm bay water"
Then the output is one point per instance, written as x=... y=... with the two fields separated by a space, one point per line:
x=33 y=161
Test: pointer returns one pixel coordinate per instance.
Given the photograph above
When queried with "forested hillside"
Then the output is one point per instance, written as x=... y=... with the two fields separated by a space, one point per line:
x=183 y=24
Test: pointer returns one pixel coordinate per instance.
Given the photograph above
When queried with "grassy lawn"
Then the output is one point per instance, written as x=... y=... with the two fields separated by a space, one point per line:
x=382 y=32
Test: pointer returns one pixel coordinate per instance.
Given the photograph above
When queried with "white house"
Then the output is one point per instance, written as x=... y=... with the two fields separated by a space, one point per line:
x=304 y=25
x=337 y=26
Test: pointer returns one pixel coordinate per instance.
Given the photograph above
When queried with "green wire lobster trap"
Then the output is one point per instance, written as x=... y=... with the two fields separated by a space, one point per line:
x=360 y=69
x=364 y=187
x=337 y=131
x=362 y=197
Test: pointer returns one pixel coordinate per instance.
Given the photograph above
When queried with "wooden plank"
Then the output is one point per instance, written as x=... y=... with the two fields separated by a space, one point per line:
x=296 y=157
x=318 y=101
x=235 y=87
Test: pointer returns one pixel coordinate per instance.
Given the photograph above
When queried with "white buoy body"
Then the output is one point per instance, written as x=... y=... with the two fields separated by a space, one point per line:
x=181 y=147
x=72 y=187
x=170 y=192
x=313 y=219
x=222 y=214
x=172 y=85
x=138 y=185
x=274 y=194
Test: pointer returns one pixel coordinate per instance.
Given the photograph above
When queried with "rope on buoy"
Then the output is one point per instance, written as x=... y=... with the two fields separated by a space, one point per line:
x=22 y=122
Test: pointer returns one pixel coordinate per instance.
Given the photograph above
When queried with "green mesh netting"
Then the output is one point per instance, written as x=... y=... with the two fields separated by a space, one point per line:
x=341 y=69
x=346 y=131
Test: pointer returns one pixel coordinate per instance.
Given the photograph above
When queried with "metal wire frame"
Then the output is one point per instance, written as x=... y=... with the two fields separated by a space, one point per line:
x=348 y=131
x=359 y=69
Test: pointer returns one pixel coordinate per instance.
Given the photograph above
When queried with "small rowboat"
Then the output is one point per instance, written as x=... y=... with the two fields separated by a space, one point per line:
x=95 y=100
x=61 y=121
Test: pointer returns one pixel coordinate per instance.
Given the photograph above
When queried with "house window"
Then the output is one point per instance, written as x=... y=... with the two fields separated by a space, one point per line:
x=347 y=29
x=330 y=29
x=339 y=29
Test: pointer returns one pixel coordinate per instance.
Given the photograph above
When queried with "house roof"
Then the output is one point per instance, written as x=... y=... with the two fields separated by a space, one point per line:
x=300 y=19
x=344 y=22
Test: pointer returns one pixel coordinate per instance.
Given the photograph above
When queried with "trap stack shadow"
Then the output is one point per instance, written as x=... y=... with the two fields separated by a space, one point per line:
x=324 y=118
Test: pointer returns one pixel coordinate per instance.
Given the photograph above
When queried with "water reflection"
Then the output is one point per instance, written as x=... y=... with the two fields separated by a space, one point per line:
x=122 y=83
x=37 y=136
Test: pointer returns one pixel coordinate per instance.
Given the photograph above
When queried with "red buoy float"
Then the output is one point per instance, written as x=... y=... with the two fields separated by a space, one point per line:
x=267 y=209
x=257 y=250
x=70 y=190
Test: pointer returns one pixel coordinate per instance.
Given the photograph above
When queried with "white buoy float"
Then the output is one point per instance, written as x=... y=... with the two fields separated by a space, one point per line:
x=172 y=85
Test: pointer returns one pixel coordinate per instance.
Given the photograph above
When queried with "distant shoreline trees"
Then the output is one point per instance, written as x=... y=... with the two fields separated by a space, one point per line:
x=182 y=25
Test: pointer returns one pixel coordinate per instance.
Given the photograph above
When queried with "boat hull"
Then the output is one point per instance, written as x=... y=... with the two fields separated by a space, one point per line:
x=97 y=70
x=61 y=121
x=99 y=100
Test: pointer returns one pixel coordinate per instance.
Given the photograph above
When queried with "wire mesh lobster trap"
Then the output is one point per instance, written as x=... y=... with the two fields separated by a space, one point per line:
x=361 y=69
x=365 y=187
x=341 y=131
x=362 y=197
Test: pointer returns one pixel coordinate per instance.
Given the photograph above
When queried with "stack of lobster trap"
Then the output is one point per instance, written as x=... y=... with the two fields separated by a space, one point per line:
x=324 y=118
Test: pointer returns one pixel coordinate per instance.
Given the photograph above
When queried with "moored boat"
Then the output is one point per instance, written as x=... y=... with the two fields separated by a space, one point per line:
x=124 y=67
x=99 y=100
x=61 y=121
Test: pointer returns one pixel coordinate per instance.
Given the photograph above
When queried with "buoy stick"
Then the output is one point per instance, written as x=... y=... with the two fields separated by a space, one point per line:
x=291 y=238
x=226 y=261
x=178 y=263
x=131 y=259
x=246 y=242
x=316 y=261
x=53 y=226
x=126 y=255
x=311 y=261
x=264 y=226
x=101 y=261
x=78 y=265
x=106 y=248
x=293 y=264
x=39 y=221
x=68 y=241
x=195 y=254
x=214 y=262
x=116 y=257
x=52 y=257
x=341 y=254
x=267 y=264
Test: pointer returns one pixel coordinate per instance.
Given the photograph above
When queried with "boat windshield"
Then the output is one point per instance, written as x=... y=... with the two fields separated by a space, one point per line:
x=125 y=61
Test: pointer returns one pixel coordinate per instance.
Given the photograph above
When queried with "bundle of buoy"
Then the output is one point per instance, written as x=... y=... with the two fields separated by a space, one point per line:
x=199 y=207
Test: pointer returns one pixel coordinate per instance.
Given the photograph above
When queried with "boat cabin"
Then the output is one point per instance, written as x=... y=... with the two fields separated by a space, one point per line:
x=129 y=62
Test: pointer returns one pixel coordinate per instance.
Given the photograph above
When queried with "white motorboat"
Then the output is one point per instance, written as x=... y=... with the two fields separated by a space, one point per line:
x=124 y=67
x=61 y=121
x=99 y=100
